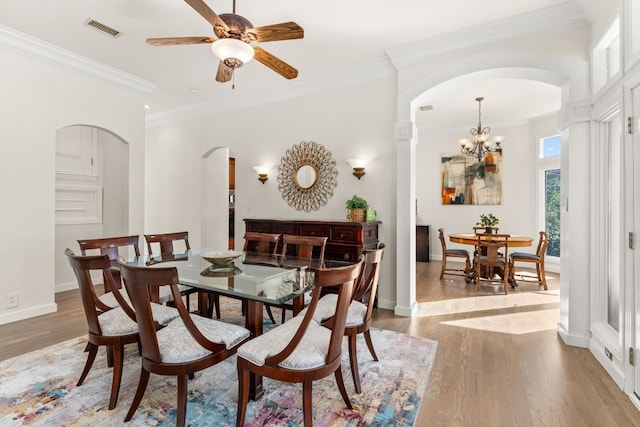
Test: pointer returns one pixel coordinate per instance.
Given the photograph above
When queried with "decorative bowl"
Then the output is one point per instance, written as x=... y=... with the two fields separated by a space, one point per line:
x=221 y=258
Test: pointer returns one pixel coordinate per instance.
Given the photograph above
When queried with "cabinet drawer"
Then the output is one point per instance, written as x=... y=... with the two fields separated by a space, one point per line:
x=284 y=229
x=259 y=227
x=344 y=234
x=370 y=233
x=342 y=252
x=315 y=230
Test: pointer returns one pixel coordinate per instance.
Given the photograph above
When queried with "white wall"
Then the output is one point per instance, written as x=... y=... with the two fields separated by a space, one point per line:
x=350 y=122
x=45 y=97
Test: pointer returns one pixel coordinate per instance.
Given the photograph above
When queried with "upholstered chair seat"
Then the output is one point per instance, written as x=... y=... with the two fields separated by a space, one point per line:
x=178 y=346
x=327 y=307
x=161 y=313
x=525 y=255
x=310 y=353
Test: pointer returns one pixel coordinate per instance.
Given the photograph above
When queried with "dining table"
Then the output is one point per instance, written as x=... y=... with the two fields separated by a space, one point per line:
x=254 y=278
x=515 y=240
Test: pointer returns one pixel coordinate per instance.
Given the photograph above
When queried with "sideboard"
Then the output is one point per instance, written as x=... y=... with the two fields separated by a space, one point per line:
x=345 y=240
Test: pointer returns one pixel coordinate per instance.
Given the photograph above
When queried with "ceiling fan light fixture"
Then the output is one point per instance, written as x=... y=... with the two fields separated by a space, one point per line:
x=234 y=53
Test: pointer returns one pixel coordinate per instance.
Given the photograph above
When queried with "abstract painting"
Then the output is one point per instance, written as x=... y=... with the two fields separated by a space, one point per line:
x=467 y=181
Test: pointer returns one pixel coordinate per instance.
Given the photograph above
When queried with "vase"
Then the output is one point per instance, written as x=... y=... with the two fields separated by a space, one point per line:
x=356 y=215
x=488 y=230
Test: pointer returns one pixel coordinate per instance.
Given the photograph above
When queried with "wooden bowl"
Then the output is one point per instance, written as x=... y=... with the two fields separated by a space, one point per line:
x=221 y=258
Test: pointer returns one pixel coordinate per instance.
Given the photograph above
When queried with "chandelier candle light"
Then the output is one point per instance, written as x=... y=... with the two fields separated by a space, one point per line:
x=481 y=143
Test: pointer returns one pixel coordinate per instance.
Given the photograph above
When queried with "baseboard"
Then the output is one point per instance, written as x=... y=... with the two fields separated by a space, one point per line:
x=406 y=311
x=572 y=340
x=386 y=304
x=635 y=400
x=14 y=316
x=62 y=287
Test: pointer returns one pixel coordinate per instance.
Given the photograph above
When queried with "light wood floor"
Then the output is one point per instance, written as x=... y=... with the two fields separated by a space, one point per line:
x=479 y=377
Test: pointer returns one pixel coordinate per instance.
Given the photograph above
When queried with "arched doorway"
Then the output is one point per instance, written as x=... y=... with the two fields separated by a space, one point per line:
x=571 y=75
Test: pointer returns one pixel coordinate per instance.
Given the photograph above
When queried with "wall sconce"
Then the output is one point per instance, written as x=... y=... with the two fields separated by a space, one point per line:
x=263 y=172
x=358 y=166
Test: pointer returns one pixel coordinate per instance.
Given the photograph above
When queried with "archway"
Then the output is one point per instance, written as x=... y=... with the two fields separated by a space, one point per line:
x=92 y=191
x=571 y=75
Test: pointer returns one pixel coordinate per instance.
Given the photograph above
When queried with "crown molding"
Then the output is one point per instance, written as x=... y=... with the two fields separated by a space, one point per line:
x=344 y=77
x=27 y=45
x=566 y=17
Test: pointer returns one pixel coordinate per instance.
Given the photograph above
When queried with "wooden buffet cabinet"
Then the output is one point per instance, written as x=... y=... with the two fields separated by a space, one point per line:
x=346 y=240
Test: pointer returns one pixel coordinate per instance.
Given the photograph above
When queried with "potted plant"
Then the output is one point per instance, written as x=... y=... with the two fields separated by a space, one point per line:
x=356 y=206
x=488 y=221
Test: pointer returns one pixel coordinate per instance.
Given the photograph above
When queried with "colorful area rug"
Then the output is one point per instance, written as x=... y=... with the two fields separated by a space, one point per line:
x=39 y=389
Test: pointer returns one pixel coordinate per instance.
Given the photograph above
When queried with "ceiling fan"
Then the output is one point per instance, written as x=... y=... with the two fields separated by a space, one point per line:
x=235 y=33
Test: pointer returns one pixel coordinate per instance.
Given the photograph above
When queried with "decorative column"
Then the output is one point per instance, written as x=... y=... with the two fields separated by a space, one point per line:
x=405 y=137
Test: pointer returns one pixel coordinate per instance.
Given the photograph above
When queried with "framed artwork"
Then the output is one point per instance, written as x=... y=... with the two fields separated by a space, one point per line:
x=467 y=181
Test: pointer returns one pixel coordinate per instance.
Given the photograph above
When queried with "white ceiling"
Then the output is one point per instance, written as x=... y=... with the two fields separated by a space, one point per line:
x=338 y=34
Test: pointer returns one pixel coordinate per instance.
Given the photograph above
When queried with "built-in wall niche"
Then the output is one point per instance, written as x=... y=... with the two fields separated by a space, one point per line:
x=606 y=58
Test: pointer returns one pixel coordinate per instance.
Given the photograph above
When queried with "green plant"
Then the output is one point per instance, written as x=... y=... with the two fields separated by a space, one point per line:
x=487 y=220
x=357 y=202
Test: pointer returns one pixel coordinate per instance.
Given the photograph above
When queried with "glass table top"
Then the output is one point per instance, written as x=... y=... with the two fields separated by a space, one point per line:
x=266 y=278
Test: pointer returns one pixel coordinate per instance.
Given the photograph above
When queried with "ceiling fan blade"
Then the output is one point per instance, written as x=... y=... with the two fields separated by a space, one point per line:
x=201 y=7
x=277 y=65
x=168 y=41
x=224 y=73
x=283 y=31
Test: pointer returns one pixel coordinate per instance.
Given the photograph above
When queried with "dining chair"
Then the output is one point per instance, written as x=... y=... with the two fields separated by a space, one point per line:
x=112 y=327
x=537 y=259
x=360 y=309
x=492 y=258
x=112 y=247
x=262 y=244
x=300 y=350
x=188 y=344
x=165 y=242
x=453 y=253
x=301 y=251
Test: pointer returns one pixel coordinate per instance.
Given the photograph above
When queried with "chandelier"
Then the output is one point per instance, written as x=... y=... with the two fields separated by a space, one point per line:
x=481 y=144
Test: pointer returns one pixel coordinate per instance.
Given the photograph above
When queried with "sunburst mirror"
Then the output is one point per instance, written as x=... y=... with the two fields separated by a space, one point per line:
x=307 y=175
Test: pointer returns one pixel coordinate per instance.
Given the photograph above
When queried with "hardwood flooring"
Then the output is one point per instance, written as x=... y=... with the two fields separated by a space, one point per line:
x=480 y=377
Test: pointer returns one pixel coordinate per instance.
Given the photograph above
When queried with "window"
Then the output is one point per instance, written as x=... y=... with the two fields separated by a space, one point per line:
x=549 y=190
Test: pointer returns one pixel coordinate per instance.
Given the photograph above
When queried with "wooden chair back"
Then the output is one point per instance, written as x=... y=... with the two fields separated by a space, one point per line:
x=112 y=247
x=543 y=242
x=493 y=249
x=82 y=266
x=304 y=247
x=483 y=230
x=166 y=241
x=262 y=243
x=367 y=285
x=443 y=242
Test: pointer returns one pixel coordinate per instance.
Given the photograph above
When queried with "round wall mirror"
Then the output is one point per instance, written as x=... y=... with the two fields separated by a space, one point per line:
x=306 y=176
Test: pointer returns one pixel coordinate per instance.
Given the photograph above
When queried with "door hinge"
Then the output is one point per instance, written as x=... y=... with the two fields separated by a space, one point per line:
x=632 y=240
x=632 y=357
x=630 y=125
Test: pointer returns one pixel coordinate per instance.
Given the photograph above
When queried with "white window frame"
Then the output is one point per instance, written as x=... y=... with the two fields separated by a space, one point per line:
x=542 y=166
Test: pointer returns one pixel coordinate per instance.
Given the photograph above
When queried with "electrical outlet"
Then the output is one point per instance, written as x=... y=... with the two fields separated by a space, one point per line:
x=11 y=300
x=608 y=353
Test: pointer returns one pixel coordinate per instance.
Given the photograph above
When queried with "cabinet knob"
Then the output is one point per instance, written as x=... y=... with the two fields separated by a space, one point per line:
x=313 y=233
x=347 y=257
x=342 y=235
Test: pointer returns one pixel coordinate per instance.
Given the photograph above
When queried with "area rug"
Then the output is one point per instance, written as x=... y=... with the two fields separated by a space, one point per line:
x=39 y=389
